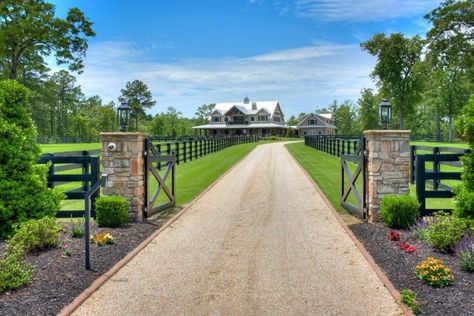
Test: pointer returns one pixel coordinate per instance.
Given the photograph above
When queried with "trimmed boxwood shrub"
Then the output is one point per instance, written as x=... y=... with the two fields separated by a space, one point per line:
x=399 y=211
x=35 y=234
x=111 y=211
x=14 y=272
x=23 y=190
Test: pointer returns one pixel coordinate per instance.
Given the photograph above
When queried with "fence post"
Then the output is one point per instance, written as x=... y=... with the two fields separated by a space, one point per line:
x=420 y=184
x=185 y=154
x=436 y=169
x=177 y=152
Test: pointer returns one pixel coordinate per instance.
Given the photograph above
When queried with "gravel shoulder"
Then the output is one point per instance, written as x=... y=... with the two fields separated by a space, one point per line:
x=261 y=241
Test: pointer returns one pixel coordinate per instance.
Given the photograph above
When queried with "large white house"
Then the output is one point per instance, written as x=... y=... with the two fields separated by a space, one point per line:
x=263 y=118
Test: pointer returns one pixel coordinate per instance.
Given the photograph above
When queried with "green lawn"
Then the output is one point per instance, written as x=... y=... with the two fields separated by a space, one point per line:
x=54 y=148
x=325 y=171
x=445 y=144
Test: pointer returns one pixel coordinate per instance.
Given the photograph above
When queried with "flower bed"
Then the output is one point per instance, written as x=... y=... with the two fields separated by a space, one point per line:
x=59 y=275
x=400 y=268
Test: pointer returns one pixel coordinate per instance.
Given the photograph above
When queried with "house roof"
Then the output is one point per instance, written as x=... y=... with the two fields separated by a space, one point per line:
x=246 y=108
x=320 y=117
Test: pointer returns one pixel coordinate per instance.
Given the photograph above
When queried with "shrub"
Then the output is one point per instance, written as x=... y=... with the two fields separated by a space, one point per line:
x=409 y=298
x=446 y=232
x=111 y=211
x=464 y=197
x=399 y=211
x=23 y=191
x=466 y=253
x=35 y=234
x=14 y=273
x=78 y=228
x=420 y=229
x=434 y=272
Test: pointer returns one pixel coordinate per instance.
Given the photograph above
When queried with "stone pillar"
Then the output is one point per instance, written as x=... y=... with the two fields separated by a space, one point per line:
x=388 y=165
x=124 y=166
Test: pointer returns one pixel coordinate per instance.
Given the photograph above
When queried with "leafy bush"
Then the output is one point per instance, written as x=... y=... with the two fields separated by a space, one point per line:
x=399 y=211
x=465 y=191
x=14 y=273
x=78 y=228
x=23 y=191
x=409 y=298
x=35 y=234
x=434 y=272
x=420 y=229
x=466 y=253
x=447 y=231
x=111 y=211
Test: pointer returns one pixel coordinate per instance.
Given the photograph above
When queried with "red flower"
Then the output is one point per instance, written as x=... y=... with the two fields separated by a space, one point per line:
x=406 y=247
x=393 y=235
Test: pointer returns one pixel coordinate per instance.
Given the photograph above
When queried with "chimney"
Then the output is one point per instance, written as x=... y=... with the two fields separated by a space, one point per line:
x=246 y=100
x=254 y=105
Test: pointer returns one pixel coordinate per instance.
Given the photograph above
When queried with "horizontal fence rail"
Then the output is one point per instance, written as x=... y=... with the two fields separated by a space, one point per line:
x=88 y=177
x=335 y=145
x=192 y=149
x=424 y=176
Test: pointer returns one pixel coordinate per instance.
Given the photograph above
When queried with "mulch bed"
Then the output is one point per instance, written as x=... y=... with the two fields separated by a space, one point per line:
x=399 y=267
x=58 y=279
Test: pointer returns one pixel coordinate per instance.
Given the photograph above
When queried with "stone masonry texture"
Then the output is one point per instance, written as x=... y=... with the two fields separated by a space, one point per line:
x=388 y=165
x=125 y=169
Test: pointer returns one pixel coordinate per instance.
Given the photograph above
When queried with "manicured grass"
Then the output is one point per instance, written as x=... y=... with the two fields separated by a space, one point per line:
x=54 y=148
x=444 y=144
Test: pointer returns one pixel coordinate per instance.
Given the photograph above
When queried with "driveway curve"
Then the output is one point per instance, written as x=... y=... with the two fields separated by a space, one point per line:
x=262 y=241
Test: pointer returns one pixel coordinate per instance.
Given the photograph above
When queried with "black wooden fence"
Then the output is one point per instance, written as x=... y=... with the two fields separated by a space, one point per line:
x=88 y=177
x=192 y=149
x=335 y=145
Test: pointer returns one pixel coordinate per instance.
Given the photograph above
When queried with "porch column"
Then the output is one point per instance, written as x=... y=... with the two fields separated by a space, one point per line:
x=388 y=165
x=123 y=161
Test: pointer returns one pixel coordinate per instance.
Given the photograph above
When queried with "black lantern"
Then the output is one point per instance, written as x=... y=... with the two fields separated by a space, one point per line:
x=385 y=113
x=123 y=116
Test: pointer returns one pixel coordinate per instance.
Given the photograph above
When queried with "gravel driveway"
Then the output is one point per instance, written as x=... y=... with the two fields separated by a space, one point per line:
x=261 y=241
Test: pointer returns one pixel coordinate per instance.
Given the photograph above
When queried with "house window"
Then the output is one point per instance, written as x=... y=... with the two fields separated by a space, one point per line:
x=262 y=118
x=312 y=122
x=276 y=118
x=252 y=119
x=216 y=119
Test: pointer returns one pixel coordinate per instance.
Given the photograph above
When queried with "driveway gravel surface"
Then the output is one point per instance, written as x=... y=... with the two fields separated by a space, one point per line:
x=262 y=241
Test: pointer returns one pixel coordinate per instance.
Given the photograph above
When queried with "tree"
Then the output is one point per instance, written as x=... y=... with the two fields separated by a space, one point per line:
x=344 y=116
x=66 y=101
x=398 y=70
x=451 y=38
x=29 y=32
x=137 y=95
x=203 y=112
x=292 y=121
x=23 y=191
x=368 y=110
x=170 y=123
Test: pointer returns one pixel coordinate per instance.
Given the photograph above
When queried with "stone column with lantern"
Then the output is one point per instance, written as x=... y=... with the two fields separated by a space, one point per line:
x=123 y=161
x=388 y=161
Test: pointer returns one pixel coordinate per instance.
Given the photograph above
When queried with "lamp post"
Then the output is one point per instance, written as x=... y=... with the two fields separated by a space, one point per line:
x=385 y=113
x=123 y=116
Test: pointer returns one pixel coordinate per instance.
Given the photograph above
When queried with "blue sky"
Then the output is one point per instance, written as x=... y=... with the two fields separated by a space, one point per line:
x=304 y=53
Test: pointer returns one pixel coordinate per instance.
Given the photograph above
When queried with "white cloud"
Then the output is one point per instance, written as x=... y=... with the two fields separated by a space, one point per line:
x=366 y=10
x=300 y=78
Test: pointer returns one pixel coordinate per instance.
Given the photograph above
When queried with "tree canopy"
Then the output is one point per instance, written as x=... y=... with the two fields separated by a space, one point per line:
x=138 y=96
x=29 y=31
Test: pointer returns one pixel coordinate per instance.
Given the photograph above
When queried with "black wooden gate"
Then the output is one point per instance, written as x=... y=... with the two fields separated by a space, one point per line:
x=158 y=169
x=354 y=181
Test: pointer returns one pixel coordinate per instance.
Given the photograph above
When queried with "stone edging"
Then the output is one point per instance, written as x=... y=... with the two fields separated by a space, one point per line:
x=81 y=298
x=393 y=291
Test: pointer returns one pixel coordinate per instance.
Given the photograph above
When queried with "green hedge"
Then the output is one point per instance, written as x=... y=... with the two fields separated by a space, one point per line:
x=399 y=211
x=111 y=211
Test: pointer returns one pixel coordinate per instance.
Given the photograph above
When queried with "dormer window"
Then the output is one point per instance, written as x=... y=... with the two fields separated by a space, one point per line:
x=262 y=118
x=312 y=122
x=216 y=119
